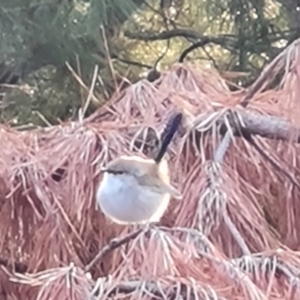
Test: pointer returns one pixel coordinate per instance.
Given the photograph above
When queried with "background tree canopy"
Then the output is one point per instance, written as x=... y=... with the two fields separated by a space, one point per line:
x=126 y=39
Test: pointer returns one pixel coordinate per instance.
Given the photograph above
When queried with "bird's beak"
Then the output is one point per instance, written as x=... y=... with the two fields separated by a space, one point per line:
x=103 y=170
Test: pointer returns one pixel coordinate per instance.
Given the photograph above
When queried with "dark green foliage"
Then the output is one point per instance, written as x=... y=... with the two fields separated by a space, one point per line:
x=39 y=36
x=44 y=34
x=41 y=32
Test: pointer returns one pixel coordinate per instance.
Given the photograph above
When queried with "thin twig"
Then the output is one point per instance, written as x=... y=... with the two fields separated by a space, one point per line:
x=87 y=103
x=43 y=118
x=108 y=56
x=80 y=75
x=236 y=234
x=112 y=245
x=81 y=82
x=134 y=63
x=221 y=150
x=105 y=92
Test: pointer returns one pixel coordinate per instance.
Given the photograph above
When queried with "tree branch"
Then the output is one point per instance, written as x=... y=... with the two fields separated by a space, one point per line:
x=130 y=62
x=271 y=127
x=266 y=126
x=204 y=41
x=185 y=33
x=112 y=245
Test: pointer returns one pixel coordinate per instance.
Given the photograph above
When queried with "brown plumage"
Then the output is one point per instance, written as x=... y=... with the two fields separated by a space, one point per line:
x=146 y=172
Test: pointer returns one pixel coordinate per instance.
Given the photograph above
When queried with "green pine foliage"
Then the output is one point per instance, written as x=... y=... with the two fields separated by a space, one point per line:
x=38 y=37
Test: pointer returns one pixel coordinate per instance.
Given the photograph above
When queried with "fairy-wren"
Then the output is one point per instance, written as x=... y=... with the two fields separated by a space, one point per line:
x=135 y=190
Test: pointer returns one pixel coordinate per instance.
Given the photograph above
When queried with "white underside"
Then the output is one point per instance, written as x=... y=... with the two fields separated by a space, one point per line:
x=125 y=202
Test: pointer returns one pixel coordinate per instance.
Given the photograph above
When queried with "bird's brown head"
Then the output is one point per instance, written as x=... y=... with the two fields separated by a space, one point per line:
x=133 y=165
x=147 y=173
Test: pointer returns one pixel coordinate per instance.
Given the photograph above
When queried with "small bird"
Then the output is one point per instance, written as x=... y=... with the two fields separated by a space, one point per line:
x=135 y=190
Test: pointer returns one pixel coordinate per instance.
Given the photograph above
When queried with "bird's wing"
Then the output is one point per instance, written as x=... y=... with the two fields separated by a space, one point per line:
x=159 y=186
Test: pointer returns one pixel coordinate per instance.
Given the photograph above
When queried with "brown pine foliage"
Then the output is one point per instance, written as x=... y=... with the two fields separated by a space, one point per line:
x=235 y=235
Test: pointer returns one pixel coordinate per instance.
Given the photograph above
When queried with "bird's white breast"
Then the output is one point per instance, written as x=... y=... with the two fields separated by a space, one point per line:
x=122 y=199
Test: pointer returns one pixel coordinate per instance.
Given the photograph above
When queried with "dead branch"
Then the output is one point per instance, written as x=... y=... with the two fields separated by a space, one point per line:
x=245 y=122
x=111 y=246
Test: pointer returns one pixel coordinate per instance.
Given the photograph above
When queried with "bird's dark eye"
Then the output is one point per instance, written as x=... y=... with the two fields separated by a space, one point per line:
x=115 y=172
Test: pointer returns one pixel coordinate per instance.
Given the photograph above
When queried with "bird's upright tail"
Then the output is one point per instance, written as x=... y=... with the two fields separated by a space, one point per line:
x=168 y=134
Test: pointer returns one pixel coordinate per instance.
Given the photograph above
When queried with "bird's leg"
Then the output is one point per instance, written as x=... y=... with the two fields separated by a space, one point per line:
x=146 y=228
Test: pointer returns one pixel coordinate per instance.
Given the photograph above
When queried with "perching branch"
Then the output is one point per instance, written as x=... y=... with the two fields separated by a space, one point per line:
x=112 y=245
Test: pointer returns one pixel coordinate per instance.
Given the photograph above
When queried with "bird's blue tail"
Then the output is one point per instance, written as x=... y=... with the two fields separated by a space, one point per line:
x=168 y=134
